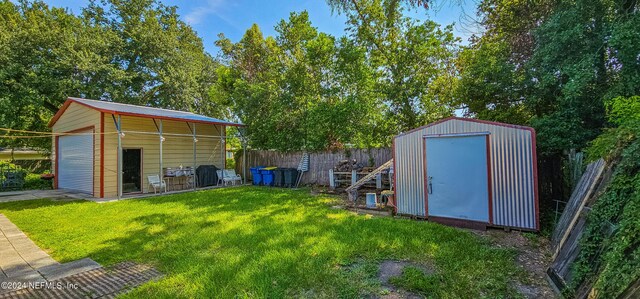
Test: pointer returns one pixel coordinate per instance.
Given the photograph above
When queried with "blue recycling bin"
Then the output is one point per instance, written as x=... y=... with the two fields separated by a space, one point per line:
x=257 y=176
x=267 y=177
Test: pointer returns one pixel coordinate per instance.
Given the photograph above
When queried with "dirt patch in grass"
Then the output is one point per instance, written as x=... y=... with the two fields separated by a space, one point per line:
x=392 y=271
x=533 y=255
x=389 y=279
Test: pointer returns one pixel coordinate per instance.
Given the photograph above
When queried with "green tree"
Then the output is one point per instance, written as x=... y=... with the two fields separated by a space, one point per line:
x=552 y=65
x=125 y=51
x=579 y=62
x=490 y=86
x=494 y=81
x=414 y=60
x=301 y=89
x=47 y=54
x=163 y=59
x=609 y=258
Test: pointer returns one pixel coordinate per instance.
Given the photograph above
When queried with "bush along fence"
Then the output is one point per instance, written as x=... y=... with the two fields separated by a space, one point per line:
x=597 y=253
x=319 y=162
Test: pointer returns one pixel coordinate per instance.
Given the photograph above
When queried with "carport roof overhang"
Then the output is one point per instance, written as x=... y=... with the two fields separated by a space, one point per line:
x=140 y=111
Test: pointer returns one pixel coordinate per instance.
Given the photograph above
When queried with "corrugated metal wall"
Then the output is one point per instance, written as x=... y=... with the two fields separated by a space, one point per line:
x=512 y=170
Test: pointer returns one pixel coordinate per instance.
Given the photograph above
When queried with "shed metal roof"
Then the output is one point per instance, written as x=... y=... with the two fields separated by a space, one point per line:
x=473 y=120
x=140 y=111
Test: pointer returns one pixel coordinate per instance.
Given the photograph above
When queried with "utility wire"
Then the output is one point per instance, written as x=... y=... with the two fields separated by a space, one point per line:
x=48 y=134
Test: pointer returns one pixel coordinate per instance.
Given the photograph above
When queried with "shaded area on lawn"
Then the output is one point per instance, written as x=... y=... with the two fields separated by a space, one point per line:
x=262 y=242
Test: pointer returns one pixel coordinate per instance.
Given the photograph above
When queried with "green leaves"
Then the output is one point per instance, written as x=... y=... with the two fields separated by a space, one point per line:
x=413 y=61
x=610 y=255
x=304 y=89
x=552 y=65
x=623 y=111
x=299 y=89
x=136 y=52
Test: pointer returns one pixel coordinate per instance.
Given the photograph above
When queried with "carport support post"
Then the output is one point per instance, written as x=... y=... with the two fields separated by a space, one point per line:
x=194 y=156
x=119 y=156
x=161 y=141
x=223 y=143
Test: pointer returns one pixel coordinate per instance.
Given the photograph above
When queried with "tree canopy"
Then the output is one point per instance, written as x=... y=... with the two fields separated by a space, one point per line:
x=304 y=89
x=135 y=52
x=552 y=65
x=549 y=64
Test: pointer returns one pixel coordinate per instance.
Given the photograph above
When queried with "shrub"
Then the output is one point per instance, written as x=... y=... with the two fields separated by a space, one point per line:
x=610 y=251
x=32 y=181
x=231 y=163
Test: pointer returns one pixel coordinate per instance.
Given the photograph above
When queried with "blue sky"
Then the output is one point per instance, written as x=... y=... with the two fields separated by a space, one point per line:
x=234 y=17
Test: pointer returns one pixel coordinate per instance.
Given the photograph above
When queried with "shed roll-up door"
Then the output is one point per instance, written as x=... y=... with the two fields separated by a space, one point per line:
x=75 y=162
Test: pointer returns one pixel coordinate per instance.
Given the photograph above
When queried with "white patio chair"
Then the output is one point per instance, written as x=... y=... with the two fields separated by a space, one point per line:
x=156 y=183
x=230 y=176
x=219 y=174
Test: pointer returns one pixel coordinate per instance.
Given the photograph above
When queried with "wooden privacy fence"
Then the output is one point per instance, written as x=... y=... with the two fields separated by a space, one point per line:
x=319 y=162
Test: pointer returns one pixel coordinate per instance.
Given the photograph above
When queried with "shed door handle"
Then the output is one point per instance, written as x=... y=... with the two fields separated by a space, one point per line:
x=430 y=186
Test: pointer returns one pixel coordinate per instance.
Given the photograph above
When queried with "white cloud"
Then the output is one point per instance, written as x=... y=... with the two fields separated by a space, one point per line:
x=198 y=14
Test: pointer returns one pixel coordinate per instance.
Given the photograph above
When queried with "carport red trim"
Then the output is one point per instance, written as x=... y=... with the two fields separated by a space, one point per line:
x=489 y=181
x=68 y=102
x=466 y=119
x=101 y=154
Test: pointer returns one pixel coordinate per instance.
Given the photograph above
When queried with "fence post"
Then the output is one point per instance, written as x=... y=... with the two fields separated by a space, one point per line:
x=332 y=183
x=354 y=177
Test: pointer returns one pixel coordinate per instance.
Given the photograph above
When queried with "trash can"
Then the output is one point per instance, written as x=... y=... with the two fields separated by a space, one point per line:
x=278 y=177
x=267 y=175
x=256 y=175
x=290 y=177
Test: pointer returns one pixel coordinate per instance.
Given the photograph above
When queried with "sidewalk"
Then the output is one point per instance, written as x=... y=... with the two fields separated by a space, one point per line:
x=38 y=194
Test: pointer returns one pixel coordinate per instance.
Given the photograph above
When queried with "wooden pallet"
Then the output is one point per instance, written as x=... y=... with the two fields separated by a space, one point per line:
x=353 y=189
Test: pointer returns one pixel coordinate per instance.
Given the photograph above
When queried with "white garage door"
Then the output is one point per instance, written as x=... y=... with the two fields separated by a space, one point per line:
x=75 y=158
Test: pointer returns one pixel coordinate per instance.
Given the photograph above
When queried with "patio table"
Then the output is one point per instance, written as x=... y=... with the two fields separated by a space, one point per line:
x=172 y=182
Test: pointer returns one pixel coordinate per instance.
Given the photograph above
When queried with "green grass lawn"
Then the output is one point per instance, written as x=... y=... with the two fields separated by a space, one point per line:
x=264 y=242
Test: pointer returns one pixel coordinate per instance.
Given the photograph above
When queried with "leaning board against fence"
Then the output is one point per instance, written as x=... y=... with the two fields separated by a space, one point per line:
x=582 y=192
x=565 y=240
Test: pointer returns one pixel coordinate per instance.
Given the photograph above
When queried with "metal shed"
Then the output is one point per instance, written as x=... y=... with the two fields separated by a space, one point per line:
x=468 y=172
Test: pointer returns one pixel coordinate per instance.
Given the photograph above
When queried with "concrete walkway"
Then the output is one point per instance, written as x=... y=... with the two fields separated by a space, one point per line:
x=38 y=194
x=23 y=260
x=19 y=256
x=23 y=264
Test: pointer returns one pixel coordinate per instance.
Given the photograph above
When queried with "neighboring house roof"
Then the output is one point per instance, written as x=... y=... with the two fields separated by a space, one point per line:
x=140 y=111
